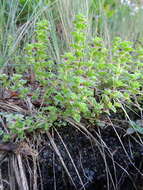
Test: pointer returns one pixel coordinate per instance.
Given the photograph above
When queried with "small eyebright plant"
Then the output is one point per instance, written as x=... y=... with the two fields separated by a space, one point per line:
x=85 y=85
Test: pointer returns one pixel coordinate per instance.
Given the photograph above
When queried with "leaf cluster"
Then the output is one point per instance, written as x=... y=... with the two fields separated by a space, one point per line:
x=90 y=80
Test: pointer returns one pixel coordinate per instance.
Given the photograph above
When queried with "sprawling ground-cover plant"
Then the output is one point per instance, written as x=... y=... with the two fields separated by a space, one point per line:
x=90 y=80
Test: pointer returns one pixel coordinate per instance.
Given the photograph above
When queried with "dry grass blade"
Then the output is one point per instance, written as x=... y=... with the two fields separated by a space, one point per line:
x=1 y=181
x=16 y=170
x=29 y=105
x=3 y=156
x=54 y=172
x=40 y=176
x=7 y=106
x=104 y=151
x=17 y=173
x=124 y=147
x=79 y=126
x=24 y=182
x=11 y=173
x=107 y=169
x=60 y=157
x=35 y=187
x=72 y=161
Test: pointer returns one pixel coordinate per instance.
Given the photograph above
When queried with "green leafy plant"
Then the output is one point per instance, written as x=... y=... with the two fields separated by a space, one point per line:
x=135 y=127
x=90 y=80
x=85 y=69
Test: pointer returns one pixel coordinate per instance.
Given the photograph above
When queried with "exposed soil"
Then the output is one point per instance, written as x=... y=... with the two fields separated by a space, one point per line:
x=108 y=165
x=114 y=162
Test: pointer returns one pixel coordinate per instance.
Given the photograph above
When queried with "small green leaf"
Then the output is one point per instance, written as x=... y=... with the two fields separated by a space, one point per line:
x=77 y=117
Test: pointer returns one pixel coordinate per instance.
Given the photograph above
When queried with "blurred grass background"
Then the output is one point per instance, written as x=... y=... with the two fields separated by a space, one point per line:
x=106 y=18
